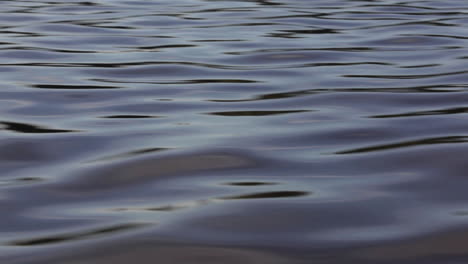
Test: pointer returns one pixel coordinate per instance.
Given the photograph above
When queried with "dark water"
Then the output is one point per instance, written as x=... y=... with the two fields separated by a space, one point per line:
x=204 y=131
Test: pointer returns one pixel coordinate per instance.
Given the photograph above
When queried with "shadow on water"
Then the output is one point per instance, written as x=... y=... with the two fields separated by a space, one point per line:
x=256 y=113
x=450 y=111
x=406 y=144
x=28 y=128
x=250 y=183
x=267 y=195
x=216 y=200
x=130 y=116
x=59 y=86
x=75 y=236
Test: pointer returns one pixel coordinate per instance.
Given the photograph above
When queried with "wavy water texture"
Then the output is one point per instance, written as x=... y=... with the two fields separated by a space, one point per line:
x=245 y=131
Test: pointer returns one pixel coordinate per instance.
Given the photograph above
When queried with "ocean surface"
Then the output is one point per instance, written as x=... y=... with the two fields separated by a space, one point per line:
x=254 y=131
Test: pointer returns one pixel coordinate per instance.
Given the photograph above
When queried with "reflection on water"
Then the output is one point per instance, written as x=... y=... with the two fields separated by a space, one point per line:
x=279 y=194
x=28 y=128
x=68 y=237
x=201 y=131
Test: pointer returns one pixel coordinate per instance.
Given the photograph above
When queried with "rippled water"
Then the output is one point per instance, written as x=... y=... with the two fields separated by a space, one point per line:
x=204 y=131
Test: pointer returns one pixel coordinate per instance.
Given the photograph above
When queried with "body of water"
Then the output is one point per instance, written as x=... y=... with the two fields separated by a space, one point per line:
x=254 y=131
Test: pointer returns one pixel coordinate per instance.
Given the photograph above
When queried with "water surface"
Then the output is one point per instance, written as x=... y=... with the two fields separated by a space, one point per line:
x=203 y=131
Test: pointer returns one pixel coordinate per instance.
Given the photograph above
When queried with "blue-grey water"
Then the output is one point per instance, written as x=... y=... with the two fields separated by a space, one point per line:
x=243 y=131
